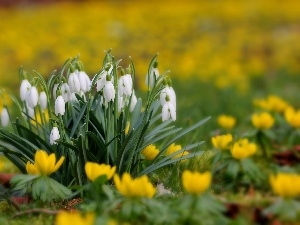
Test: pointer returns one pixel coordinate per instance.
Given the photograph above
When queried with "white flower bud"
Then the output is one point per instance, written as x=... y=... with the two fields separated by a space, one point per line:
x=28 y=111
x=54 y=135
x=74 y=83
x=43 y=100
x=109 y=91
x=4 y=117
x=54 y=90
x=102 y=81
x=24 y=89
x=32 y=97
x=59 y=106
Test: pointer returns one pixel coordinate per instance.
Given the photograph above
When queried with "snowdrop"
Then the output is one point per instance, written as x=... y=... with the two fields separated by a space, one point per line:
x=168 y=90
x=59 y=105
x=24 y=89
x=102 y=81
x=73 y=82
x=54 y=135
x=85 y=81
x=151 y=78
x=168 y=110
x=4 y=117
x=32 y=97
x=28 y=111
x=125 y=85
x=43 y=100
x=109 y=91
x=66 y=93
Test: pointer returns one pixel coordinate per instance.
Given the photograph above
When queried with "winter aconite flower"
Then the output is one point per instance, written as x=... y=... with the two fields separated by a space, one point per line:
x=243 y=149
x=74 y=218
x=262 y=120
x=292 y=117
x=272 y=103
x=175 y=148
x=54 y=135
x=95 y=170
x=4 y=117
x=150 y=152
x=226 y=122
x=59 y=105
x=138 y=187
x=44 y=164
x=222 y=141
x=285 y=184
x=195 y=182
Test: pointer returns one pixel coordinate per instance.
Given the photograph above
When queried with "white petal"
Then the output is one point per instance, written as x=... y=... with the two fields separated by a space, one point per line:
x=54 y=135
x=54 y=91
x=24 y=89
x=59 y=106
x=109 y=91
x=101 y=82
x=74 y=83
x=133 y=102
x=32 y=97
x=43 y=100
x=165 y=112
x=65 y=91
x=4 y=117
x=85 y=81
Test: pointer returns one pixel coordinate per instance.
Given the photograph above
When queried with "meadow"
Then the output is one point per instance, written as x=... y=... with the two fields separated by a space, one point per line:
x=225 y=58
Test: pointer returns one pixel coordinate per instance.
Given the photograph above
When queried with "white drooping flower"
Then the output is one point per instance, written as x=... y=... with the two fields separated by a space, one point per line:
x=54 y=135
x=43 y=100
x=85 y=81
x=73 y=98
x=102 y=81
x=125 y=85
x=32 y=97
x=4 y=117
x=152 y=77
x=24 y=89
x=73 y=82
x=168 y=111
x=65 y=91
x=59 y=105
x=167 y=90
x=133 y=102
x=109 y=91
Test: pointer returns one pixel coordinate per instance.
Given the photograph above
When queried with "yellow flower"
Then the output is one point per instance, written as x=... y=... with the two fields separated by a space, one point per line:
x=94 y=170
x=285 y=185
x=222 y=141
x=39 y=119
x=44 y=163
x=243 y=149
x=262 y=120
x=292 y=117
x=272 y=103
x=174 y=148
x=150 y=152
x=75 y=218
x=226 y=122
x=195 y=182
x=138 y=187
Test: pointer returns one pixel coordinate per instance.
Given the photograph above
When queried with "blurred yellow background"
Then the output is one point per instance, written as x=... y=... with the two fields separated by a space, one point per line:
x=226 y=42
